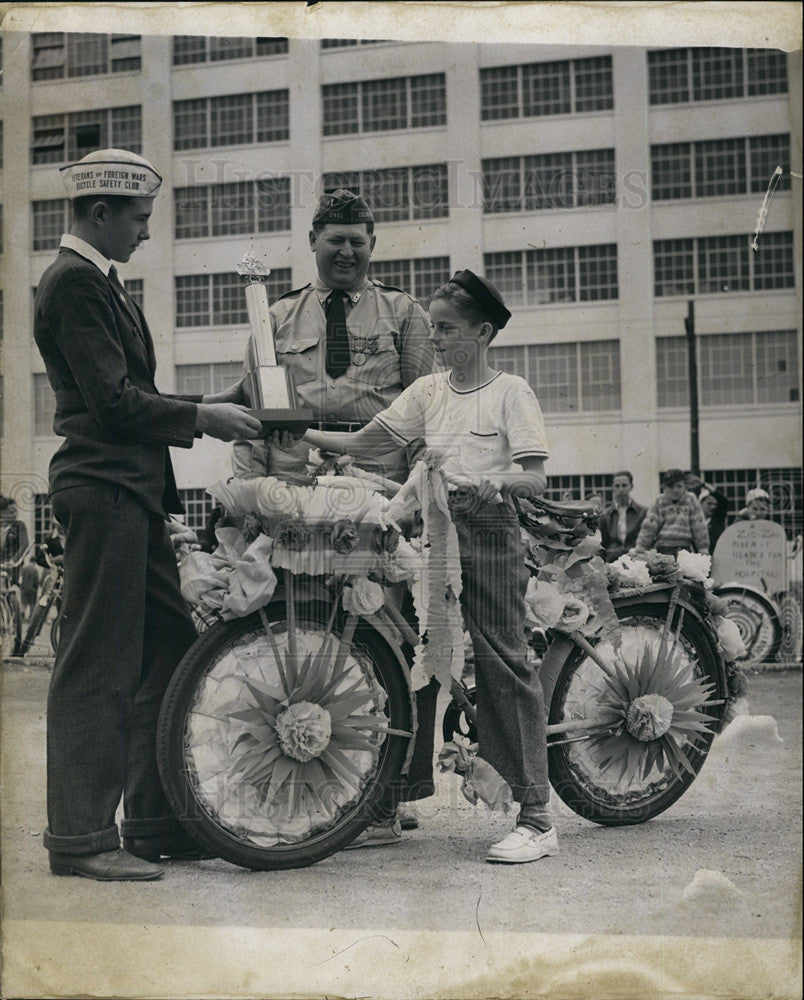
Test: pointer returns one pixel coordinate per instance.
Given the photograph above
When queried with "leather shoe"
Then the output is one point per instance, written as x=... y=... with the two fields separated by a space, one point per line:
x=107 y=866
x=173 y=847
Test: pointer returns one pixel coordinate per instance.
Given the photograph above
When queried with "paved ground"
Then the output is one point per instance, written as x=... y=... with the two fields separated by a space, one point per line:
x=741 y=820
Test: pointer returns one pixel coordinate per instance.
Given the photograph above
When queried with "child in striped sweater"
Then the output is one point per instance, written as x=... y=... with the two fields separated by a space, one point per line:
x=675 y=521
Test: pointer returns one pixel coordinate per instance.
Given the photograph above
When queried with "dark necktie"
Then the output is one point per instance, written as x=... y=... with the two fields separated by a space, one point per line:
x=337 y=338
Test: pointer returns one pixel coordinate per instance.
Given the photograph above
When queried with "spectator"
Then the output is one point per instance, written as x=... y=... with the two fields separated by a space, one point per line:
x=714 y=506
x=619 y=523
x=14 y=538
x=675 y=520
x=29 y=588
x=757 y=506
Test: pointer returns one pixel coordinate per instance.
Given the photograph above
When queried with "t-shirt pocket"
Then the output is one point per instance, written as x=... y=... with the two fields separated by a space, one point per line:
x=480 y=449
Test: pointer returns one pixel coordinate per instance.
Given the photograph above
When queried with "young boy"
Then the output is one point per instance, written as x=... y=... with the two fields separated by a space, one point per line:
x=675 y=520
x=485 y=426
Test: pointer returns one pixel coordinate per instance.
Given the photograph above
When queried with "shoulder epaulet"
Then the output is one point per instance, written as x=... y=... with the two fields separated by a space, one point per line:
x=292 y=292
x=391 y=288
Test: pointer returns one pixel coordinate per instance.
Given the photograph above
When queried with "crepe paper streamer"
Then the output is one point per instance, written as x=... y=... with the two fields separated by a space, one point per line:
x=762 y=218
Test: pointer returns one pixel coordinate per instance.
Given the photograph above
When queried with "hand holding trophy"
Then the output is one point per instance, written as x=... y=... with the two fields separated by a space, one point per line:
x=269 y=386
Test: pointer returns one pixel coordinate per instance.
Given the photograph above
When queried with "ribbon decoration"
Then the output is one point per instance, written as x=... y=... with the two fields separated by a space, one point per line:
x=762 y=217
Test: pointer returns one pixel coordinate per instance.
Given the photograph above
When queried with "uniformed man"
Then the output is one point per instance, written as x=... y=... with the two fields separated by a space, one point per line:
x=124 y=624
x=352 y=344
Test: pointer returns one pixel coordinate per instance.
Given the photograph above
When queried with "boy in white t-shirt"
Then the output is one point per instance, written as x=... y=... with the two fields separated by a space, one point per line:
x=484 y=426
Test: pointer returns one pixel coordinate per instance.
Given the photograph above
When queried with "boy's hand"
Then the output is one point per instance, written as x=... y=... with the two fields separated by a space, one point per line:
x=433 y=458
x=283 y=440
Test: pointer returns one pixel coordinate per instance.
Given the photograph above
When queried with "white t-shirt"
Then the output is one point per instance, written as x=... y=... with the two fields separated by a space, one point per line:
x=482 y=430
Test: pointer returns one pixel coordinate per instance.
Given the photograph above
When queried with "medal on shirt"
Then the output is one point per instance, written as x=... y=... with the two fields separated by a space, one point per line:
x=362 y=347
x=358 y=358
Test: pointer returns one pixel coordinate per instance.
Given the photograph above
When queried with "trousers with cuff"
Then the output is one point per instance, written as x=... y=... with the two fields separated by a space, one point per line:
x=124 y=628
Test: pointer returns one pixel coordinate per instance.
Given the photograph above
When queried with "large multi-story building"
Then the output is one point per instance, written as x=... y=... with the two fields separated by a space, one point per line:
x=602 y=189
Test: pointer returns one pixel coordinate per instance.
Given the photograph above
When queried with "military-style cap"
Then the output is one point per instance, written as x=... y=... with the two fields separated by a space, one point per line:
x=342 y=206
x=485 y=294
x=111 y=172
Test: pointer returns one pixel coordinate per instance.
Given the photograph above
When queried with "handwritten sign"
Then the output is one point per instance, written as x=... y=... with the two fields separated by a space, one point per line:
x=752 y=553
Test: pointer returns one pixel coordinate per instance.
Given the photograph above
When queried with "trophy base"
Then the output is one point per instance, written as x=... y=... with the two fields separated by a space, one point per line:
x=294 y=420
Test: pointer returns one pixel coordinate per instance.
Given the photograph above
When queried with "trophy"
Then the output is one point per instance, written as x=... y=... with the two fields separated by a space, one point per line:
x=269 y=386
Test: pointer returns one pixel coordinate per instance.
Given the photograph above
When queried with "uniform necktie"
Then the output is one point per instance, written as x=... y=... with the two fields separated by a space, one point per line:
x=337 y=360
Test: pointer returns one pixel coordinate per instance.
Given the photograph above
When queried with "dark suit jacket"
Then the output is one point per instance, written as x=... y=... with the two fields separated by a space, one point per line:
x=613 y=548
x=100 y=361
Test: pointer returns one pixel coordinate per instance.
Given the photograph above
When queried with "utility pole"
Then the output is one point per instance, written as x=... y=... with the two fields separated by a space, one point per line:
x=692 y=374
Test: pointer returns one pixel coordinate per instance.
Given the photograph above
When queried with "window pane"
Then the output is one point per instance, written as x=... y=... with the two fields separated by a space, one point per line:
x=671 y=170
x=192 y=212
x=600 y=375
x=279 y=281
x=47 y=143
x=777 y=367
x=86 y=132
x=717 y=74
x=231 y=120
x=505 y=271
x=189 y=49
x=393 y=272
x=44 y=406
x=135 y=289
x=86 y=54
x=595 y=178
x=556 y=368
x=190 y=124
x=230 y=48
x=597 y=272
x=725 y=367
x=767 y=72
x=266 y=46
x=385 y=105
x=722 y=264
x=232 y=208
x=428 y=274
x=125 y=53
x=672 y=383
x=720 y=167
x=48 y=55
x=386 y=192
x=228 y=300
x=48 y=223
x=499 y=93
x=551 y=275
x=198 y=504
x=668 y=79
x=349 y=179
x=765 y=153
x=546 y=89
x=340 y=108
x=273 y=205
x=594 y=89
x=192 y=300
x=673 y=267
x=548 y=181
x=193 y=380
x=510 y=359
x=429 y=191
x=273 y=116
x=502 y=184
x=428 y=100
x=126 y=131
x=773 y=263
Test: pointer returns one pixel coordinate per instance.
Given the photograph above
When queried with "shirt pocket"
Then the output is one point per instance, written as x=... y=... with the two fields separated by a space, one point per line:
x=480 y=449
x=299 y=354
x=374 y=361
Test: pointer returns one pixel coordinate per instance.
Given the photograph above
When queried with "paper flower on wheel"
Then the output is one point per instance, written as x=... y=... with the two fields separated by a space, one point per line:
x=648 y=713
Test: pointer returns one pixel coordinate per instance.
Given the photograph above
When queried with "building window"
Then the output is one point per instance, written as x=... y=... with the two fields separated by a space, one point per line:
x=44 y=406
x=188 y=49
x=548 y=180
x=558 y=274
x=718 y=167
x=782 y=485
x=419 y=276
x=219 y=299
x=56 y=55
x=231 y=120
x=66 y=138
x=398 y=194
x=383 y=105
x=43 y=518
x=49 y=223
x=677 y=76
x=567 y=378
x=233 y=209
x=714 y=264
x=343 y=43
x=548 y=88
x=583 y=487
x=197 y=380
x=734 y=369
x=199 y=505
x=135 y=289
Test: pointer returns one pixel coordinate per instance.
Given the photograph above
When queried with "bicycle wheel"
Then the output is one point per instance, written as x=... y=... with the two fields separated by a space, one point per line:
x=756 y=618
x=54 y=633
x=610 y=764
x=11 y=623
x=34 y=627
x=276 y=744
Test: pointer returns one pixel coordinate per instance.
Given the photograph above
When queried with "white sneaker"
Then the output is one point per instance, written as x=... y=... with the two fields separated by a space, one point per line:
x=524 y=844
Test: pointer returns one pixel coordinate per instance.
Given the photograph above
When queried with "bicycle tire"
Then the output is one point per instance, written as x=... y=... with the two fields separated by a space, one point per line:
x=237 y=832
x=12 y=623
x=34 y=627
x=759 y=625
x=577 y=771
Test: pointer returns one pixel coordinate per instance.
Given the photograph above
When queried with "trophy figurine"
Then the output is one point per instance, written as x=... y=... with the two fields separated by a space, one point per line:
x=272 y=394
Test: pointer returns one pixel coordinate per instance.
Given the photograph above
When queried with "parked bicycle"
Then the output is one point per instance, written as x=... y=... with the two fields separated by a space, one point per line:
x=49 y=596
x=283 y=731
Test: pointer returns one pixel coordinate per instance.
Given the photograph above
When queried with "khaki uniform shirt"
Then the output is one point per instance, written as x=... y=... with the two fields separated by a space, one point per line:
x=390 y=348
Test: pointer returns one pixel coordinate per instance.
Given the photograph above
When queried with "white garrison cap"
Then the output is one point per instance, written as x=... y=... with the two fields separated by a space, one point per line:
x=111 y=172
